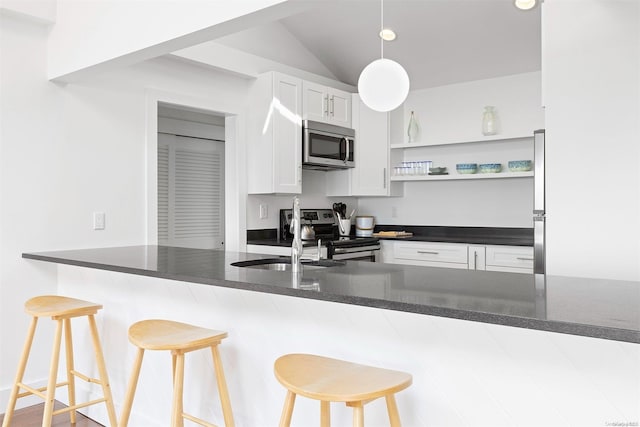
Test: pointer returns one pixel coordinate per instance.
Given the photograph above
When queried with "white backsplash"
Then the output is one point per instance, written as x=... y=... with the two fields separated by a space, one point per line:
x=313 y=197
x=473 y=203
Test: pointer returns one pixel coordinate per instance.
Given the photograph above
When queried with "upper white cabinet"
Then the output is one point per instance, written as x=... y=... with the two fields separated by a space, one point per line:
x=371 y=175
x=326 y=104
x=274 y=143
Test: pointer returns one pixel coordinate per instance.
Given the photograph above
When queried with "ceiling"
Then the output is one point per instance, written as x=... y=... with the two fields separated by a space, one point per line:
x=439 y=41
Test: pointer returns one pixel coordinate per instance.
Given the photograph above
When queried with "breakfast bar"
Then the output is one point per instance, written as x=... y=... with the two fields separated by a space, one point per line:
x=483 y=347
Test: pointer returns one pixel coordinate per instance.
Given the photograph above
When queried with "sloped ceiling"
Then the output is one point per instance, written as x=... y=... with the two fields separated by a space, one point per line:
x=439 y=41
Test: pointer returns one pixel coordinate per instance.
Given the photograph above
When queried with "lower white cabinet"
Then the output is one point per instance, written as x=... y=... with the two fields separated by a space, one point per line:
x=450 y=255
x=477 y=257
x=514 y=259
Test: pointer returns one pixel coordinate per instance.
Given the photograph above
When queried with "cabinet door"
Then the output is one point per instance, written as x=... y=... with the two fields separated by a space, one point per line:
x=315 y=102
x=287 y=135
x=449 y=255
x=370 y=176
x=477 y=255
x=516 y=259
x=339 y=107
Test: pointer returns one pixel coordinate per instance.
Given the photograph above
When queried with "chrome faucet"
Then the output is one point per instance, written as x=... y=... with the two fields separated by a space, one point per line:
x=296 y=245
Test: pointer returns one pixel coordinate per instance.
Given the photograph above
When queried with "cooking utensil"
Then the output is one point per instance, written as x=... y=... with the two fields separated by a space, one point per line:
x=341 y=208
x=342 y=231
x=353 y=212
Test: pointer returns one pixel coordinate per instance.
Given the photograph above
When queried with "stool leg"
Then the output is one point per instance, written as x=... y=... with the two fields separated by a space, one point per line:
x=53 y=374
x=173 y=369
x=325 y=414
x=71 y=387
x=222 y=388
x=178 y=388
x=21 y=368
x=358 y=414
x=131 y=389
x=287 y=410
x=102 y=370
x=392 y=408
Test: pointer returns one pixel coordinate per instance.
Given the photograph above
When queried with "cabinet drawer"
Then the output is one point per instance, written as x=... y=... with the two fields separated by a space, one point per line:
x=435 y=252
x=506 y=258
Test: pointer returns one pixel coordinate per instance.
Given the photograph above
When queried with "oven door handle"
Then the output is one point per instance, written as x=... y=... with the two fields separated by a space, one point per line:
x=356 y=249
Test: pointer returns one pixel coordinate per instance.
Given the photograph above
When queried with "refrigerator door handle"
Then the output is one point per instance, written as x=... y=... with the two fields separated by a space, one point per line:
x=539 y=256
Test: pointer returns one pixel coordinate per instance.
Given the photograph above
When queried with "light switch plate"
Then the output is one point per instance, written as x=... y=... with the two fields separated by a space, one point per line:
x=98 y=220
x=264 y=211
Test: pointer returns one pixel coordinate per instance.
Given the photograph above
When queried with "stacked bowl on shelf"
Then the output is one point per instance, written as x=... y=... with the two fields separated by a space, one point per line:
x=514 y=166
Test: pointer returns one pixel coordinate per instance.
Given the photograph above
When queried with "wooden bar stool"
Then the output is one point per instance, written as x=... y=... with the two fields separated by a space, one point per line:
x=62 y=310
x=331 y=380
x=179 y=338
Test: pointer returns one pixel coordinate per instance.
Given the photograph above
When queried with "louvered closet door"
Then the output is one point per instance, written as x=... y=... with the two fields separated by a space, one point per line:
x=190 y=192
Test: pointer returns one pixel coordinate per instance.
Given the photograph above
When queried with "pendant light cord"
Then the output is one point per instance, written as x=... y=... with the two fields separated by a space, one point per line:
x=381 y=28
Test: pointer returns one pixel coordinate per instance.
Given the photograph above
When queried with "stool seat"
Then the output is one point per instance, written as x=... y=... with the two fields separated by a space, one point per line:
x=157 y=334
x=323 y=378
x=179 y=339
x=332 y=380
x=58 y=306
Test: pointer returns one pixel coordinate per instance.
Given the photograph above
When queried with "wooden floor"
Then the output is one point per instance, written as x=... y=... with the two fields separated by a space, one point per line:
x=32 y=417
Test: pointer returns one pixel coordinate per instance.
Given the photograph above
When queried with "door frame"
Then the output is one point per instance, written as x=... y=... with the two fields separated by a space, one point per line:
x=235 y=182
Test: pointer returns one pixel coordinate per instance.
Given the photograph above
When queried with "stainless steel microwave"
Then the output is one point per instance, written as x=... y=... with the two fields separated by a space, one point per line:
x=326 y=147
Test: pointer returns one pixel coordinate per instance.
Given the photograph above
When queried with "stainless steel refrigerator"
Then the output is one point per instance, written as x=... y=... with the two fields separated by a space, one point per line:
x=539 y=213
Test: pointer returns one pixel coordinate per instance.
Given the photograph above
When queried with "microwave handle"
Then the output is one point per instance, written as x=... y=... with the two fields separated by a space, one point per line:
x=346 y=151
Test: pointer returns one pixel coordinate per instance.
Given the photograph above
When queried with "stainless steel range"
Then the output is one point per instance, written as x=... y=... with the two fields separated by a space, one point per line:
x=325 y=227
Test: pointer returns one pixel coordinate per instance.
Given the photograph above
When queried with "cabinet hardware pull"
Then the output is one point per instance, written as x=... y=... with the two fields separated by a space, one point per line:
x=475 y=260
x=428 y=252
x=332 y=107
x=384 y=178
x=326 y=105
x=524 y=258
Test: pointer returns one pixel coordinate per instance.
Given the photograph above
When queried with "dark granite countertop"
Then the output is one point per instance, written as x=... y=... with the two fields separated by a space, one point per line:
x=607 y=309
x=471 y=235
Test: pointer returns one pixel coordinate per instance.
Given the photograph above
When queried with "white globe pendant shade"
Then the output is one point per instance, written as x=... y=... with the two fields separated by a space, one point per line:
x=383 y=85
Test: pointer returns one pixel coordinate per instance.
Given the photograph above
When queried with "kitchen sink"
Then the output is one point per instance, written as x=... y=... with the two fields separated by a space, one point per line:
x=284 y=264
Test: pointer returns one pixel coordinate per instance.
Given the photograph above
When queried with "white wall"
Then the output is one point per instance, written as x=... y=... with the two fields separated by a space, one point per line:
x=313 y=197
x=591 y=75
x=453 y=113
x=67 y=151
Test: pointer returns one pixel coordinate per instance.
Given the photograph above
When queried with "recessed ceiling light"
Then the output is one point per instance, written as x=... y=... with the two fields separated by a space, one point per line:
x=387 y=34
x=525 y=4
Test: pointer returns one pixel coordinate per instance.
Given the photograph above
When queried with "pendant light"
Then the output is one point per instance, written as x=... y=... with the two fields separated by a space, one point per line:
x=525 y=4
x=383 y=84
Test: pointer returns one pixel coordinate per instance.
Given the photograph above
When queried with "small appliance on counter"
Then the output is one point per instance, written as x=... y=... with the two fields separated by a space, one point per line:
x=364 y=226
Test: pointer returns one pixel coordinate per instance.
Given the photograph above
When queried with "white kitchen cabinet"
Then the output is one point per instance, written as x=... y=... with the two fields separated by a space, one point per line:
x=274 y=143
x=326 y=104
x=515 y=259
x=428 y=254
x=477 y=257
x=370 y=177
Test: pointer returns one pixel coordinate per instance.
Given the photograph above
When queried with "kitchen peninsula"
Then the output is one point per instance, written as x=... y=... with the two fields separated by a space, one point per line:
x=474 y=340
